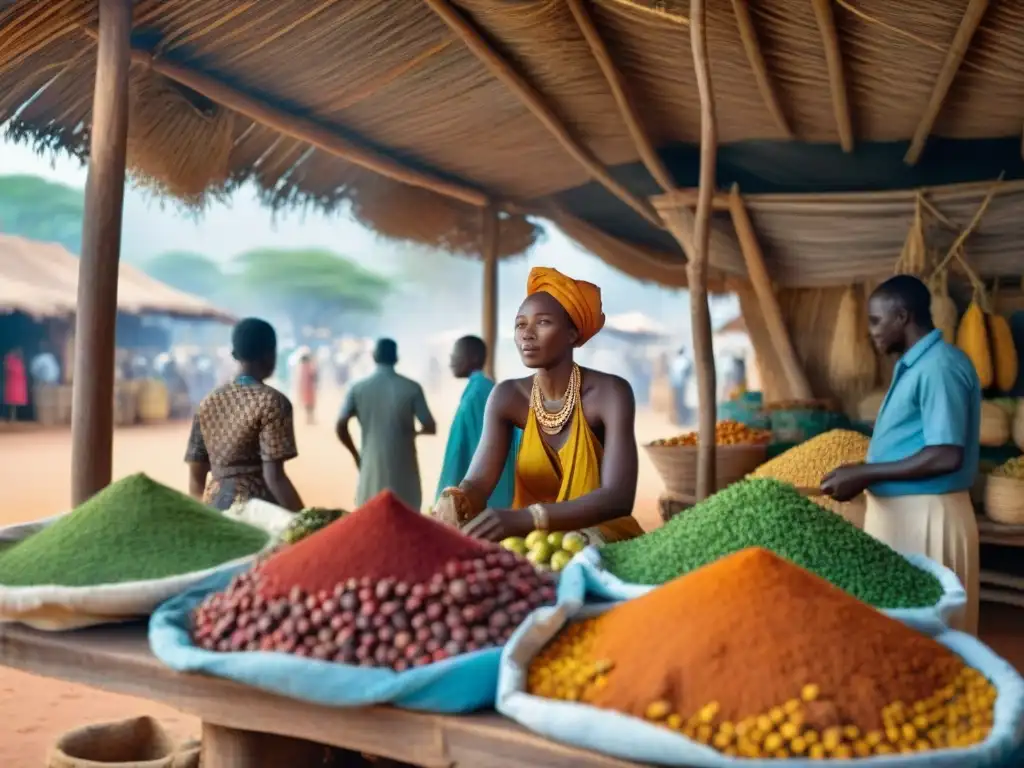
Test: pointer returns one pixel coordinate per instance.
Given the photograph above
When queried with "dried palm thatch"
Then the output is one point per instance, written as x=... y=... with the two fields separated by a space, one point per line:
x=176 y=146
x=852 y=365
x=393 y=77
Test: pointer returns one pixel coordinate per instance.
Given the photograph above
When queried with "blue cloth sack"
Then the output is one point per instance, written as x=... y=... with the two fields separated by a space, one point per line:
x=461 y=684
x=630 y=738
x=588 y=574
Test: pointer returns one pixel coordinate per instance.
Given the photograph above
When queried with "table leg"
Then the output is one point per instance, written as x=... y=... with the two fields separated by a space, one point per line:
x=234 y=748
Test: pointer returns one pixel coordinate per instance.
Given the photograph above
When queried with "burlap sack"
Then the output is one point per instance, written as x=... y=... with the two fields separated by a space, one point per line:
x=140 y=742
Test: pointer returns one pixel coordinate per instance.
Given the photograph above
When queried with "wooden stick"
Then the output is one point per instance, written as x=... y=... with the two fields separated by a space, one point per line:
x=950 y=66
x=533 y=101
x=92 y=415
x=700 y=315
x=752 y=47
x=620 y=92
x=489 y=253
x=305 y=129
x=762 y=285
x=687 y=197
x=837 y=80
x=774 y=383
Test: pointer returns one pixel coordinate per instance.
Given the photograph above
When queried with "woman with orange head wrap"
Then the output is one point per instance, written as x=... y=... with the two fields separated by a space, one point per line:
x=577 y=463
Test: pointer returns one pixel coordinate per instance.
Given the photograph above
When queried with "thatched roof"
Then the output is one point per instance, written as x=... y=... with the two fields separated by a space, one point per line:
x=523 y=103
x=41 y=280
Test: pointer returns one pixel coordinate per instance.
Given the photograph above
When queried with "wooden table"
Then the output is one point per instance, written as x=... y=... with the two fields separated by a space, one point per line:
x=247 y=728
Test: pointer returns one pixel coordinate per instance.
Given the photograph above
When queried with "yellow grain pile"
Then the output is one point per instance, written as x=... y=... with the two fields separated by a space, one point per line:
x=806 y=464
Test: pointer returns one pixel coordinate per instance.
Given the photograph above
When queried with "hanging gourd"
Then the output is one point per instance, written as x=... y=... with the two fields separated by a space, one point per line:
x=972 y=338
x=1004 y=352
x=944 y=314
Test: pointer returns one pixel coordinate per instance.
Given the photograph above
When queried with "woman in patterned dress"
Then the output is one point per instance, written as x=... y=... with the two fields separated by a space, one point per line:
x=243 y=432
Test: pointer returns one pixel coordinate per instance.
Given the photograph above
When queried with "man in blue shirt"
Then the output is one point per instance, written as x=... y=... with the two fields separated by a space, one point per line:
x=923 y=456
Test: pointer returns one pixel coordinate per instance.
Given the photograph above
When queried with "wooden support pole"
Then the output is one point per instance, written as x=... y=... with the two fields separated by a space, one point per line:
x=836 y=78
x=769 y=303
x=535 y=103
x=489 y=254
x=752 y=47
x=950 y=66
x=700 y=314
x=92 y=417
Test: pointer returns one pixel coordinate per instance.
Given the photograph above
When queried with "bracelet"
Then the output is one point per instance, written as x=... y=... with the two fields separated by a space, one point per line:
x=540 y=517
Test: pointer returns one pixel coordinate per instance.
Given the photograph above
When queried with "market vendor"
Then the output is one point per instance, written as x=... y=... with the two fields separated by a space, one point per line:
x=576 y=468
x=244 y=430
x=923 y=456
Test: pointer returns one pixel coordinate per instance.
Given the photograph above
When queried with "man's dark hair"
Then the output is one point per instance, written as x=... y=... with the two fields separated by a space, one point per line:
x=475 y=349
x=253 y=340
x=912 y=295
x=385 y=352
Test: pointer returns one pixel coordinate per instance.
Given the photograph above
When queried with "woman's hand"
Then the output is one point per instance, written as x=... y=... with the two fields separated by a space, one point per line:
x=499 y=524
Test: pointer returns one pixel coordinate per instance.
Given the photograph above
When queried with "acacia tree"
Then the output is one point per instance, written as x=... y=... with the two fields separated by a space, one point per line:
x=35 y=208
x=190 y=272
x=312 y=287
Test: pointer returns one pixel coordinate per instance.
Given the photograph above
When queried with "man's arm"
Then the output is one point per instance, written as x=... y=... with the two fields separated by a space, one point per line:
x=423 y=415
x=348 y=410
x=198 y=461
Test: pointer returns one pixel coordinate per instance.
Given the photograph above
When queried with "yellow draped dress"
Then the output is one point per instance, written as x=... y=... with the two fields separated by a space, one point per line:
x=547 y=476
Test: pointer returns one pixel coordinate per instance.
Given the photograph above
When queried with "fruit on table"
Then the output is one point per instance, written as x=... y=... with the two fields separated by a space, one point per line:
x=547 y=550
x=727 y=432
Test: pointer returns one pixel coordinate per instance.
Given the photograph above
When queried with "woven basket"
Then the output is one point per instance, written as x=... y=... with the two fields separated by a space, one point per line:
x=677 y=465
x=140 y=742
x=1004 y=500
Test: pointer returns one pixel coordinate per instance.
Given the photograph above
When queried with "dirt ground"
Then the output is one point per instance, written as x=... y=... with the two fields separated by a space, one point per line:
x=34 y=476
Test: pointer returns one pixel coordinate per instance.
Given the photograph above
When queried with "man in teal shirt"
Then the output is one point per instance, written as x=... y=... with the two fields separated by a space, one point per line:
x=467 y=362
x=923 y=456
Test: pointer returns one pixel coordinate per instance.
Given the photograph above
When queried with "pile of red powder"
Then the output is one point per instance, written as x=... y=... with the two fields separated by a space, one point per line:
x=384 y=587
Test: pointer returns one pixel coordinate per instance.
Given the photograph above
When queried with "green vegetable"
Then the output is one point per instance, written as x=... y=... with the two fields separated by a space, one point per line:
x=767 y=513
x=133 y=530
x=309 y=521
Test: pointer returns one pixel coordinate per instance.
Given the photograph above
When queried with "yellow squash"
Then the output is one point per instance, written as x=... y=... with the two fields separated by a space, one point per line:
x=1004 y=353
x=972 y=338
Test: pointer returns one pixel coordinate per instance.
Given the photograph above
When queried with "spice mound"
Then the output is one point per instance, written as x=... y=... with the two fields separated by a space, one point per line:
x=133 y=530
x=824 y=676
x=767 y=513
x=1013 y=468
x=807 y=464
x=727 y=432
x=384 y=586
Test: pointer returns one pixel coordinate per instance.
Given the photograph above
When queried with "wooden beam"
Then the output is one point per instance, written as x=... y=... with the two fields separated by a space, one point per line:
x=305 y=129
x=92 y=415
x=763 y=78
x=534 y=101
x=687 y=197
x=617 y=84
x=836 y=79
x=950 y=66
x=757 y=273
x=700 y=314
x=489 y=253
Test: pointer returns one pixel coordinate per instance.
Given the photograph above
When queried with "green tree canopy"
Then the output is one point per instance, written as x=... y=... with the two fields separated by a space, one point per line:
x=33 y=207
x=188 y=271
x=314 y=287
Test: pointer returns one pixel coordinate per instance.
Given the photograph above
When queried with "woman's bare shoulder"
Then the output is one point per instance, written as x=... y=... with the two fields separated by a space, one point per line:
x=607 y=383
x=511 y=390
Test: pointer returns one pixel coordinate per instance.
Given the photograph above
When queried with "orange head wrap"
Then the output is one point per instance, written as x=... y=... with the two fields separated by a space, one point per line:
x=580 y=299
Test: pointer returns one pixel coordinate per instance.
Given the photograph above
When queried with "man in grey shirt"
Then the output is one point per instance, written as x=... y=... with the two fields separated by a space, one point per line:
x=387 y=406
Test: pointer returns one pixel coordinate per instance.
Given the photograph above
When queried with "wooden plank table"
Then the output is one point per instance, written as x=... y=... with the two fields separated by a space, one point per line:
x=248 y=728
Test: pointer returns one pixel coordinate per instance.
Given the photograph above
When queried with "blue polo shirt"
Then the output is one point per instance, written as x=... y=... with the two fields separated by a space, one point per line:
x=934 y=399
